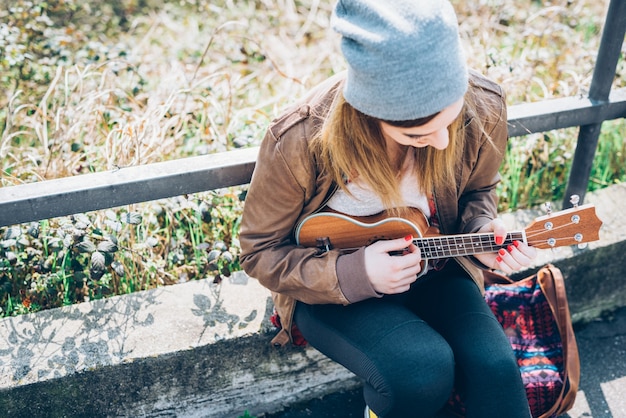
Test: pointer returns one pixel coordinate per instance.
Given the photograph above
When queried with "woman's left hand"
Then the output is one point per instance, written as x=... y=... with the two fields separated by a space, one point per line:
x=509 y=259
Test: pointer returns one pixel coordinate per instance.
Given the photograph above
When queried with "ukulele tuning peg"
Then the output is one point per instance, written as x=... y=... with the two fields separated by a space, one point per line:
x=574 y=200
x=579 y=239
x=548 y=207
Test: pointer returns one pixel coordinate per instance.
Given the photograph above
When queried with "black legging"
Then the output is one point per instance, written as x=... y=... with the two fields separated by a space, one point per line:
x=411 y=349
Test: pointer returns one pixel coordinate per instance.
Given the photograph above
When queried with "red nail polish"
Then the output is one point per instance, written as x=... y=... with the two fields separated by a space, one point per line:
x=499 y=259
x=510 y=248
x=499 y=240
x=502 y=252
x=408 y=238
x=516 y=243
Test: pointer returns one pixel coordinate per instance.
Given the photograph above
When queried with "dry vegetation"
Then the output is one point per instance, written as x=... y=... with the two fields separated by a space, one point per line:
x=93 y=86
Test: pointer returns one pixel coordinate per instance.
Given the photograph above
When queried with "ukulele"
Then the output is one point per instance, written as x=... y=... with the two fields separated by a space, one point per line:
x=328 y=230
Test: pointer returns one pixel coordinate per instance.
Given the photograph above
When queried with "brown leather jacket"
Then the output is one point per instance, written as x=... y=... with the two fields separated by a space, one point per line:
x=288 y=185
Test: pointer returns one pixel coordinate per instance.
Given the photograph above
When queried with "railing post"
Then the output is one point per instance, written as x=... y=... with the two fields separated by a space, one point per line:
x=603 y=75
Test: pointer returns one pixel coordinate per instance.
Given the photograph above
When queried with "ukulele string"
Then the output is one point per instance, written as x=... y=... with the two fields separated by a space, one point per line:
x=543 y=240
x=477 y=243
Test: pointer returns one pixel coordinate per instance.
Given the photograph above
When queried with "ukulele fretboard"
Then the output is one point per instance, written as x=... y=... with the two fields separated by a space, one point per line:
x=462 y=245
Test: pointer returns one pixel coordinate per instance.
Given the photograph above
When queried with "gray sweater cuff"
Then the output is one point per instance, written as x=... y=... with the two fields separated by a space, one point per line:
x=352 y=277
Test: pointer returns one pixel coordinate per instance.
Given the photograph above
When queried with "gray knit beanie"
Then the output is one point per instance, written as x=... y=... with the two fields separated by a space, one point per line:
x=404 y=56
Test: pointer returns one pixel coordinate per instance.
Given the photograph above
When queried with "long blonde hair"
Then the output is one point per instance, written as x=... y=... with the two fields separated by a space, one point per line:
x=350 y=144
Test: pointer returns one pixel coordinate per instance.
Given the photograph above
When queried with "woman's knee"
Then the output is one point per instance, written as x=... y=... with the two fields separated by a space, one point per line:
x=417 y=383
x=433 y=372
x=500 y=368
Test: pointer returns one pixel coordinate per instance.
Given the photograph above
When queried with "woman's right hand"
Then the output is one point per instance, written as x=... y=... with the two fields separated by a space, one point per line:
x=390 y=274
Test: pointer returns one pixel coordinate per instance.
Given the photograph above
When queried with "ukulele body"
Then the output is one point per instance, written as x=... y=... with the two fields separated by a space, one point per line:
x=351 y=232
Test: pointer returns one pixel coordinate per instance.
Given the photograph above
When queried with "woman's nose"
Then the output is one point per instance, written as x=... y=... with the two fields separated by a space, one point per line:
x=441 y=139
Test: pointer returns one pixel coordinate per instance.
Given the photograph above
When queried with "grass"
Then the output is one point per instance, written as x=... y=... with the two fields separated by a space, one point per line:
x=92 y=87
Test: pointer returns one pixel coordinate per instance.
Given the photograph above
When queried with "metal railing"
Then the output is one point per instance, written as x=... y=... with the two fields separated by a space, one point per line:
x=71 y=195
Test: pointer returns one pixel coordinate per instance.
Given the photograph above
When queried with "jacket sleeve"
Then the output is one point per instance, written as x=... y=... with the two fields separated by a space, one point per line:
x=283 y=187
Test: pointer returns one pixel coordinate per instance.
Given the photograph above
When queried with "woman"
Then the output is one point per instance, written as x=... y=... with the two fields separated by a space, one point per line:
x=406 y=126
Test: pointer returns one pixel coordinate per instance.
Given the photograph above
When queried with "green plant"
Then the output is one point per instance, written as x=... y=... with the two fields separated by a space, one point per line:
x=83 y=257
x=536 y=168
x=93 y=86
x=609 y=165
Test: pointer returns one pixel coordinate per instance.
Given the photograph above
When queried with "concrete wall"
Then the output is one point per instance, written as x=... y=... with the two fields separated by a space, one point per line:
x=202 y=350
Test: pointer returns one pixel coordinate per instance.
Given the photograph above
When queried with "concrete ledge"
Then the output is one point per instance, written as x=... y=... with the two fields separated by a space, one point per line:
x=190 y=350
x=223 y=379
x=202 y=350
x=195 y=349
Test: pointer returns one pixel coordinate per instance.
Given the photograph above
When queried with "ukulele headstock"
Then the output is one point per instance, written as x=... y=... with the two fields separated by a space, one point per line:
x=574 y=226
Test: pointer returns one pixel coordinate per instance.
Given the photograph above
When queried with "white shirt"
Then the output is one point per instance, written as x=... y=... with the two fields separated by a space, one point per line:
x=365 y=202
